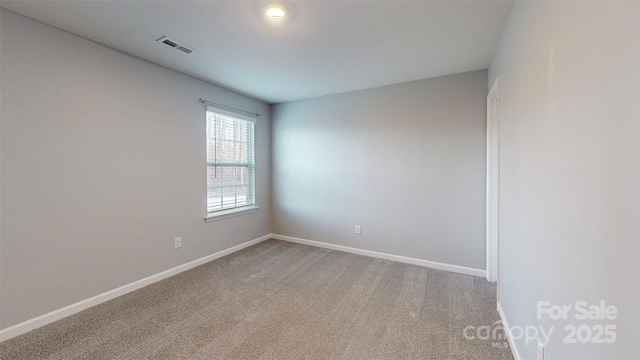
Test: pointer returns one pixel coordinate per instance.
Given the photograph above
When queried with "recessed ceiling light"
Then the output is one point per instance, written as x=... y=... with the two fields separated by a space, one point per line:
x=275 y=11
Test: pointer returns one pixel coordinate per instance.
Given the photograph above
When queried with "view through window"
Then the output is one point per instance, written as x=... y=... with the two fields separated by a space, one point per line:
x=230 y=161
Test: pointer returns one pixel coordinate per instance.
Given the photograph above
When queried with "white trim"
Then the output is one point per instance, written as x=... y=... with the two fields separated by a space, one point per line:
x=512 y=343
x=42 y=320
x=26 y=326
x=379 y=255
x=493 y=180
x=225 y=214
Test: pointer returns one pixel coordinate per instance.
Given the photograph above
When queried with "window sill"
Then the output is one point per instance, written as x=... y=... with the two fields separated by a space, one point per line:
x=219 y=215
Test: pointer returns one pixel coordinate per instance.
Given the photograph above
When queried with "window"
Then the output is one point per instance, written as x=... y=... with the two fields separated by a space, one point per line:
x=230 y=163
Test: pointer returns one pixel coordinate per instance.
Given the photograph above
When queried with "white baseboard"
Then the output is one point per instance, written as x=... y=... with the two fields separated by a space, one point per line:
x=512 y=343
x=375 y=254
x=26 y=326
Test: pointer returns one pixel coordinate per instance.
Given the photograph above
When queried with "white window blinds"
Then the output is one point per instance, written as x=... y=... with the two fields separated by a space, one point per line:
x=230 y=160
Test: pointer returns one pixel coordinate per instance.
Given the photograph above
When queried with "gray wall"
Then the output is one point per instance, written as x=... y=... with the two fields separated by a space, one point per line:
x=406 y=161
x=570 y=184
x=103 y=164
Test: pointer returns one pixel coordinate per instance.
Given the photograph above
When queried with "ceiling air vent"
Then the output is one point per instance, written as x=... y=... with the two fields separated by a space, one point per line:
x=176 y=45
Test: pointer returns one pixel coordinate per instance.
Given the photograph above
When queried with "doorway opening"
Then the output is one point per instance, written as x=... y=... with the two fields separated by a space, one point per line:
x=493 y=183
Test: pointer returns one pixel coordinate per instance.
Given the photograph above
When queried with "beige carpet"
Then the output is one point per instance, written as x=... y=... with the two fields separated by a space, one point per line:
x=278 y=300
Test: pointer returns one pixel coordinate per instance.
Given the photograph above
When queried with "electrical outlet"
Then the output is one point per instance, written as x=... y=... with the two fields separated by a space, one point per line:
x=358 y=229
x=540 y=352
x=177 y=242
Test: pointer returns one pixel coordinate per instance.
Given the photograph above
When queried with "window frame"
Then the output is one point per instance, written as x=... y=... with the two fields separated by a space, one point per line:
x=240 y=210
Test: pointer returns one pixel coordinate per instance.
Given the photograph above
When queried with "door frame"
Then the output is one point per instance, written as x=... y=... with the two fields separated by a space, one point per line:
x=493 y=181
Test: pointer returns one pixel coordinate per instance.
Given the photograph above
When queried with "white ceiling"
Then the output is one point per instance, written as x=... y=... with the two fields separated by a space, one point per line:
x=324 y=47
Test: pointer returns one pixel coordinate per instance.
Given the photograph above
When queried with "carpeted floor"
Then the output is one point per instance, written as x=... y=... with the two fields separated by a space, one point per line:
x=278 y=300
